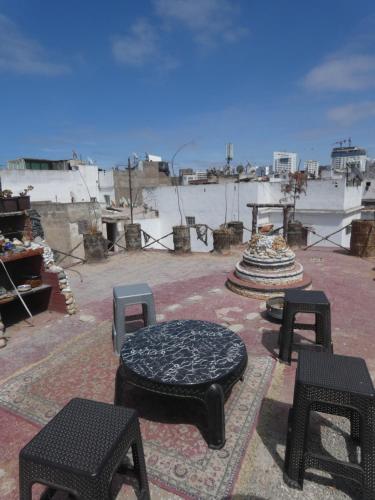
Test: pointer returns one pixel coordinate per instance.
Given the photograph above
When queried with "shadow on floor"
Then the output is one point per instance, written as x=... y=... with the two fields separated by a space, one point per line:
x=166 y=409
x=272 y=429
x=270 y=340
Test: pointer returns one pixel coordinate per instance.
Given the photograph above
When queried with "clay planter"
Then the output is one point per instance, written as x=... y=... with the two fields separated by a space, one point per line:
x=236 y=229
x=362 y=239
x=95 y=247
x=14 y=203
x=222 y=238
x=265 y=228
x=181 y=239
x=297 y=234
x=133 y=237
x=9 y=204
x=23 y=202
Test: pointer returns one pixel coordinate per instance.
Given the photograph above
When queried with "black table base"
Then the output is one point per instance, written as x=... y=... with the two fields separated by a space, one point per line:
x=212 y=396
x=189 y=359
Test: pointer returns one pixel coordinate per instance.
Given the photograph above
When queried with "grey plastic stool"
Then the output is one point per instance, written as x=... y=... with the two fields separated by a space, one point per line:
x=126 y=295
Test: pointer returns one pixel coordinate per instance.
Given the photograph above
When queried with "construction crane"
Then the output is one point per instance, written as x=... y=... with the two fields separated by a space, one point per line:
x=344 y=141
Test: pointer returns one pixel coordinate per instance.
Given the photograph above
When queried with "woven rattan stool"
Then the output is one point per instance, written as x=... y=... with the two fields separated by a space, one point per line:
x=305 y=301
x=80 y=450
x=339 y=385
x=127 y=295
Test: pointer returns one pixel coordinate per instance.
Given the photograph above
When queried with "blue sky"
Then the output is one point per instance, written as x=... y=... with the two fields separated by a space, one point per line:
x=107 y=79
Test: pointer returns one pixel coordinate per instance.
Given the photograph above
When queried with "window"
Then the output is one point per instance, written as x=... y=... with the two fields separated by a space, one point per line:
x=92 y=199
x=107 y=199
x=348 y=229
x=190 y=221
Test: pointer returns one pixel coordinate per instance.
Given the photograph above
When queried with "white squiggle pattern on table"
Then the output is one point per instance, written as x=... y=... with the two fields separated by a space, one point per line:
x=183 y=352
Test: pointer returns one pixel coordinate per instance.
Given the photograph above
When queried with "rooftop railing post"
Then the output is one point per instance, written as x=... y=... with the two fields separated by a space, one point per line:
x=255 y=220
x=285 y=221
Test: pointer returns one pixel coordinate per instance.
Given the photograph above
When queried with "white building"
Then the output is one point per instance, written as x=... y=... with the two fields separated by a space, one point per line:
x=312 y=167
x=284 y=162
x=59 y=181
x=199 y=175
x=344 y=158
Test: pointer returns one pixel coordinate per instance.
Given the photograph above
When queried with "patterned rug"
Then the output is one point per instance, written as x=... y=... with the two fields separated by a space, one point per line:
x=177 y=456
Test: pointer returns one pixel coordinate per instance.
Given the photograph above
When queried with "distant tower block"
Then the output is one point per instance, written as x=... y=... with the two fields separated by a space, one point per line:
x=229 y=152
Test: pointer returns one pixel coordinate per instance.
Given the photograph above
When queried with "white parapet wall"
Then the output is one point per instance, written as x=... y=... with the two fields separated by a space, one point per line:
x=61 y=186
x=328 y=205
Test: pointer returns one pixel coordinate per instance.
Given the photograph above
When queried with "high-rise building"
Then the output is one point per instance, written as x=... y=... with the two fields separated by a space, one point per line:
x=346 y=157
x=284 y=162
x=312 y=167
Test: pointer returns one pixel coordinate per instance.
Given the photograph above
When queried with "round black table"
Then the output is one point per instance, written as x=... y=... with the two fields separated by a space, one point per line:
x=185 y=358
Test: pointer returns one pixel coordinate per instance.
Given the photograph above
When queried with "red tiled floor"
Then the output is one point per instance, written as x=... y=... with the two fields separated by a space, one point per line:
x=189 y=287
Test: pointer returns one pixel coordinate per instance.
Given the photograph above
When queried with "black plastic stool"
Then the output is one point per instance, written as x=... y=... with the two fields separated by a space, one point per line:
x=339 y=385
x=81 y=449
x=305 y=301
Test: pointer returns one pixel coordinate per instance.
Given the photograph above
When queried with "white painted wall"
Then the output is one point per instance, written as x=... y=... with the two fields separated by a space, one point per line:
x=106 y=185
x=327 y=206
x=54 y=185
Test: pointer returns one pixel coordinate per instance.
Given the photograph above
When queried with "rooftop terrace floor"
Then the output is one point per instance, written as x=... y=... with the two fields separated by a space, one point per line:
x=193 y=287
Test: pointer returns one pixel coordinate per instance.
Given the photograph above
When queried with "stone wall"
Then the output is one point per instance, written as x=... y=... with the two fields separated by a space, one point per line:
x=147 y=178
x=64 y=225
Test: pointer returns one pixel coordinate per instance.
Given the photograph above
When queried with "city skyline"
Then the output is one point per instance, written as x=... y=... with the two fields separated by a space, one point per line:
x=163 y=73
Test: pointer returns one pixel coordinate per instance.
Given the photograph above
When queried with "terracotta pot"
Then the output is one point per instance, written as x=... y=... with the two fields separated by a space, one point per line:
x=266 y=228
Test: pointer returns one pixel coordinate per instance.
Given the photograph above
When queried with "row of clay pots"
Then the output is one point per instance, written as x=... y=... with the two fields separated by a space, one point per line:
x=223 y=238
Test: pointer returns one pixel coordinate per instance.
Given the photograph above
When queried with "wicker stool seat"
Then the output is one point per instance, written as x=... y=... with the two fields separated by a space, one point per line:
x=126 y=295
x=305 y=301
x=339 y=385
x=80 y=450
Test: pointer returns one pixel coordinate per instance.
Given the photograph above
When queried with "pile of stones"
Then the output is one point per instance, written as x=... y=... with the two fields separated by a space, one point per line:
x=65 y=289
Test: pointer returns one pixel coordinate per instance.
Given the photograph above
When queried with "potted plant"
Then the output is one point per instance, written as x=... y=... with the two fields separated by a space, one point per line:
x=8 y=203
x=24 y=200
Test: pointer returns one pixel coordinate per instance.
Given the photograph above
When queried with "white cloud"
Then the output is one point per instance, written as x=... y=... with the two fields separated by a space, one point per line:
x=138 y=47
x=141 y=46
x=210 y=21
x=351 y=113
x=353 y=72
x=19 y=54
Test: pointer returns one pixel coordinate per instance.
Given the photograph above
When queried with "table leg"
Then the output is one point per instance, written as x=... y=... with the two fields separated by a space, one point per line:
x=119 y=387
x=214 y=399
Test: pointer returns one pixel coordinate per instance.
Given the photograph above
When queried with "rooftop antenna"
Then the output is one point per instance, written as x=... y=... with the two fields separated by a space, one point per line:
x=229 y=153
x=130 y=190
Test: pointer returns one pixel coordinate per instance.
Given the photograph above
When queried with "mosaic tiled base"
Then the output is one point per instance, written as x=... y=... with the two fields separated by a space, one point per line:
x=267 y=268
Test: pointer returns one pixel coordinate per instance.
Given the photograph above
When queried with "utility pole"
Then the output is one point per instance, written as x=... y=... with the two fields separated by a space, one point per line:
x=130 y=191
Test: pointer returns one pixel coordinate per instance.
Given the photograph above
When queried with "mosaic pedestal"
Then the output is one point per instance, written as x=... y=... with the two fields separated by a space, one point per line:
x=268 y=268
